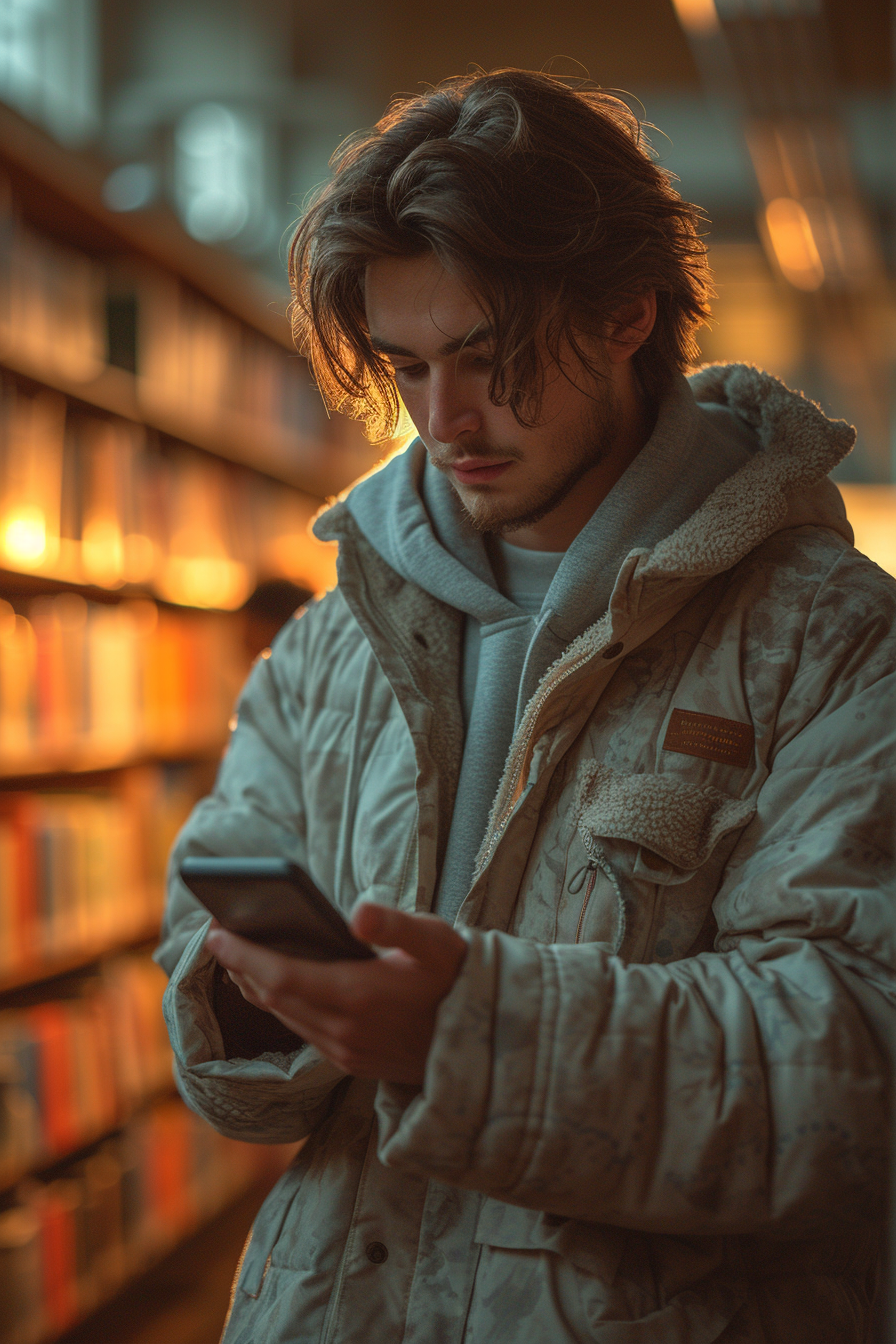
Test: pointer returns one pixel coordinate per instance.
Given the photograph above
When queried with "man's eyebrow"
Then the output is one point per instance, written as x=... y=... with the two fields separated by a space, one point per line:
x=479 y=336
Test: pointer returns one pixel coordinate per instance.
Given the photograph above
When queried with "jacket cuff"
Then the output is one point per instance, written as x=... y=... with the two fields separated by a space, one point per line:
x=275 y=1098
x=479 y=1051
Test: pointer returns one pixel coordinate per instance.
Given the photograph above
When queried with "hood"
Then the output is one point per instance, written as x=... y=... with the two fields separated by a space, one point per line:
x=785 y=484
x=735 y=455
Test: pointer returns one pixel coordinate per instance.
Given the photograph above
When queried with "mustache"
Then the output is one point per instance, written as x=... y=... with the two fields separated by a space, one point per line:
x=450 y=453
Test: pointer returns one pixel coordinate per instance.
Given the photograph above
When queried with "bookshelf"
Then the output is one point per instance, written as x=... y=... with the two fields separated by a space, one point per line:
x=162 y=449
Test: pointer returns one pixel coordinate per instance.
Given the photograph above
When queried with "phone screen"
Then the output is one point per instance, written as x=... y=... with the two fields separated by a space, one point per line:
x=275 y=903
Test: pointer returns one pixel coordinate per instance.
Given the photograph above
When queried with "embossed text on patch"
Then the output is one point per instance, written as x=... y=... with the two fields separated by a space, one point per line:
x=710 y=737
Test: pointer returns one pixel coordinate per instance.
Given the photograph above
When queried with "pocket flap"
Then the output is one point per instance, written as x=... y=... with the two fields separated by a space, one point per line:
x=592 y=1247
x=680 y=822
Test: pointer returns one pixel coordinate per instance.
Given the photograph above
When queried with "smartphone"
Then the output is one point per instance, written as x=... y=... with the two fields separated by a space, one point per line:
x=275 y=903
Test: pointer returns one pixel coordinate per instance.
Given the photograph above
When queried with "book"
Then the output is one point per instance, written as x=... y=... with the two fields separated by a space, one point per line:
x=96 y=684
x=21 y=1275
x=95 y=499
x=74 y=1066
x=68 y=1240
x=32 y=431
x=57 y=1205
x=52 y=299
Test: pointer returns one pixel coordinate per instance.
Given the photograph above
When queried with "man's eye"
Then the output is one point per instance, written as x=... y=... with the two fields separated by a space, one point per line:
x=411 y=371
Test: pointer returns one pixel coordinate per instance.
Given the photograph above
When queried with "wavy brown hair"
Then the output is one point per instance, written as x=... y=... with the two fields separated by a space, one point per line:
x=541 y=197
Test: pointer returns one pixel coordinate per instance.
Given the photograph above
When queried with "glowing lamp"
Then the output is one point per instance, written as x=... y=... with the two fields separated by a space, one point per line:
x=697 y=16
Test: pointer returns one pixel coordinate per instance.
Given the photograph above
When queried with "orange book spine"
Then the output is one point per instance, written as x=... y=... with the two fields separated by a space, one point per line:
x=171 y=1170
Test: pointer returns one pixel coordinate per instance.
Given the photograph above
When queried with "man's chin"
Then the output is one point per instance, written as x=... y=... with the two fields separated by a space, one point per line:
x=501 y=519
x=486 y=515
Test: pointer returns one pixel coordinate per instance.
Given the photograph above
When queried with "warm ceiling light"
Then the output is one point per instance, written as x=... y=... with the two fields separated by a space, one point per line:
x=697 y=16
x=790 y=235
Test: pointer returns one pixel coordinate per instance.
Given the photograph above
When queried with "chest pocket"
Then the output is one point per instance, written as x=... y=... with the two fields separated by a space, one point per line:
x=654 y=846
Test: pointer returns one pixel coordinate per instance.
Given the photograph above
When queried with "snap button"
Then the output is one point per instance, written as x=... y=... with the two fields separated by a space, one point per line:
x=377 y=1253
x=614 y=650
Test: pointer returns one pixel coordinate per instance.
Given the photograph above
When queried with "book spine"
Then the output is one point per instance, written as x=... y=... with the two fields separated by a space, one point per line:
x=68 y=1242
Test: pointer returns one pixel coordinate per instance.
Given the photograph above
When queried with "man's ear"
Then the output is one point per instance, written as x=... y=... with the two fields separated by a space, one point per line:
x=630 y=327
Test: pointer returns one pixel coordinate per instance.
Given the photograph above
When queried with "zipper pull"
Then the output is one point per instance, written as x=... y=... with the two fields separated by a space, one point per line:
x=579 y=878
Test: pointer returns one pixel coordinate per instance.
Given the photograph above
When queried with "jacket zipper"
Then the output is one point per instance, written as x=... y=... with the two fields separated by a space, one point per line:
x=592 y=877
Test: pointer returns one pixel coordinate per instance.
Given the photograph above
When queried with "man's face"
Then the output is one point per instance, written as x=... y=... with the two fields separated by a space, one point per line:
x=535 y=482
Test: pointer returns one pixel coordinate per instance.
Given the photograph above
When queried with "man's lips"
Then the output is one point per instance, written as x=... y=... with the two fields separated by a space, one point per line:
x=477 y=470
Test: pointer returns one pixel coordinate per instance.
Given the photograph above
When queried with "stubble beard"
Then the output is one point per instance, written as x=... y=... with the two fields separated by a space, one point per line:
x=591 y=445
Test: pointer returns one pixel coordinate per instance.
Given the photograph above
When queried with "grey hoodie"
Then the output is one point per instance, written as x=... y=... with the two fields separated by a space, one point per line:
x=411 y=514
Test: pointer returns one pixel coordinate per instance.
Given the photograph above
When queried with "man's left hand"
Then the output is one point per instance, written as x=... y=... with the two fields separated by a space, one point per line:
x=374 y=1019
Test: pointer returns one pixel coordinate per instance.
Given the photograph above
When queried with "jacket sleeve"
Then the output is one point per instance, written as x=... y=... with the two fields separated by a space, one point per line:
x=738 y=1091
x=256 y=808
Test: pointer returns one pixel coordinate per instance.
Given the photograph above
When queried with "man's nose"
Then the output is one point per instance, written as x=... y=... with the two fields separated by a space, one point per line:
x=452 y=411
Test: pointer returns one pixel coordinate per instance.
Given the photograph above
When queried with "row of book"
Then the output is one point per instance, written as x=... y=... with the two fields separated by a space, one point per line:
x=108 y=681
x=52 y=298
x=194 y=359
x=73 y=313
x=76 y=1066
x=68 y=1241
x=99 y=500
x=84 y=871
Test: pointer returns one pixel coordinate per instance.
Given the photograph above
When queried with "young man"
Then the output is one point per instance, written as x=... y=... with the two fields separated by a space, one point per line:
x=594 y=729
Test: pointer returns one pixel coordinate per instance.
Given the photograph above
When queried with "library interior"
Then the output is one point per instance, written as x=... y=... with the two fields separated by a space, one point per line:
x=163 y=449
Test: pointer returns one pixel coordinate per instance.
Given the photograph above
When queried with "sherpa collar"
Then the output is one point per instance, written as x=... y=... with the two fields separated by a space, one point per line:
x=784 y=485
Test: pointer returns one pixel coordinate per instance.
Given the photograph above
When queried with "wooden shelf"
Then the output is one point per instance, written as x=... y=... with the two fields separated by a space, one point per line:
x=262 y=447
x=86 y=1142
x=97 y=763
x=58 y=196
x=180 y=1293
x=51 y=968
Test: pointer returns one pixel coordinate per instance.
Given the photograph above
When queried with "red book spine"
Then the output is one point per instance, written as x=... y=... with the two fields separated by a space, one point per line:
x=59 y=1262
x=59 y=1110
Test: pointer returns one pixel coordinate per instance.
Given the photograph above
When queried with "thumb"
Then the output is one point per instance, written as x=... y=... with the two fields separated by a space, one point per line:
x=427 y=938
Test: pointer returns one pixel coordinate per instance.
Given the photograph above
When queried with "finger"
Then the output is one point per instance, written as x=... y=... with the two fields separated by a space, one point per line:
x=241 y=955
x=260 y=964
x=324 y=984
x=427 y=938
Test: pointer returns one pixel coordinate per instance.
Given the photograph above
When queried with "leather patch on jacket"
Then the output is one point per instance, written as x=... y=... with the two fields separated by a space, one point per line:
x=710 y=737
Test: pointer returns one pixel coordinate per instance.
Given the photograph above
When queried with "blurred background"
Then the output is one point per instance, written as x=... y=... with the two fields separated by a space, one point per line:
x=162 y=450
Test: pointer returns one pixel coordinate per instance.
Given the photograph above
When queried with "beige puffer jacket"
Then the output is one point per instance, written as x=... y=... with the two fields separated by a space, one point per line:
x=655 y=1104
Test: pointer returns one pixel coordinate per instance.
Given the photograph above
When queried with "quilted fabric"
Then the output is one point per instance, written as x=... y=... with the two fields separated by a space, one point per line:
x=655 y=1106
